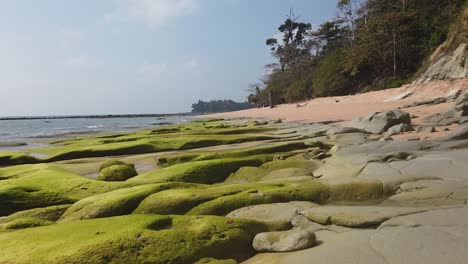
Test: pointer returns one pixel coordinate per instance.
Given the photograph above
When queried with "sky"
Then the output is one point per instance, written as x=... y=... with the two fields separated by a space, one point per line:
x=64 y=57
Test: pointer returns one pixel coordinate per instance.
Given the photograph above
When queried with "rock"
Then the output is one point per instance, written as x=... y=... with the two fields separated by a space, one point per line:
x=449 y=121
x=453 y=94
x=432 y=101
x=386 y=138
x=379 y=122
x=426 y=129
x=460 y=134
x=356 y=216
x=412 y=138
x=448 y=64
x=284 y=241
x=398 y=129
x=463 y=120
x=117 y=173
x=462 y=99
x=453 y=115
x=400 y=96
x=277 y=214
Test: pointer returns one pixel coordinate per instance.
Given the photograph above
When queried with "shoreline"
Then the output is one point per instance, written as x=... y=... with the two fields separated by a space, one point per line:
x=90 y=116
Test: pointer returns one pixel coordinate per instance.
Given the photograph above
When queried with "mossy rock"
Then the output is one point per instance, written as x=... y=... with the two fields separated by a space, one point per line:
x=117 y=173
x=51 y=213
x=15 y=199
x=119 y=202
x=23 y=223
x=303 y=191
x=112 y=162
x=225 y=199
x=8 y=158
x=181 y=201
x=216 y=261
x=206 y=172
x=246 y=174
x=274 y=170
x=133 y=239
x=355 y=189
x=33 y=186
x=272 y=149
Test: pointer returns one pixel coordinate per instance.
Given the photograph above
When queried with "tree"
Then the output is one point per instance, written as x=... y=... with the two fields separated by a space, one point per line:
x=293 y=44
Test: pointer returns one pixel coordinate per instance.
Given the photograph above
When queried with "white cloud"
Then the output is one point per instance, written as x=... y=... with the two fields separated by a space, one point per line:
x=152 y=12
x=149 y=71
x=191 y=64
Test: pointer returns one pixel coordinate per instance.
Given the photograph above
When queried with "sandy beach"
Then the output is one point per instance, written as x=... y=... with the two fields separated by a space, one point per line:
x=346 y=108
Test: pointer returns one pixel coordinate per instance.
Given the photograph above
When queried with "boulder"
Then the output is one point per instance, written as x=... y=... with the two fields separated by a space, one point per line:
x=379 y=122
x=398 y=129
x=453 y=115
x=426 y=129
x=285 y=241
x=279 y=215
x=460 y=134
x=117 y=173
x=356 y=216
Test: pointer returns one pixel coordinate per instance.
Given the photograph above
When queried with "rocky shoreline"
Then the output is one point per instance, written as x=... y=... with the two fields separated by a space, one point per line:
x=244 y=190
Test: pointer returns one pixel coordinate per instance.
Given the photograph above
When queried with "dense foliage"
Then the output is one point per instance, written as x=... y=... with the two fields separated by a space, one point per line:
x=218 y=106
x=370 y=44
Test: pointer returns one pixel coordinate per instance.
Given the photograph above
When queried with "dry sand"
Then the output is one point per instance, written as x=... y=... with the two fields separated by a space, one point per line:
x=349 y=107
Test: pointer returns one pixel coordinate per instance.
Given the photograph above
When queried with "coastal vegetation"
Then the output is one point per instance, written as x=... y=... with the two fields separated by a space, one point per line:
x=369 y=45
x=219 y=106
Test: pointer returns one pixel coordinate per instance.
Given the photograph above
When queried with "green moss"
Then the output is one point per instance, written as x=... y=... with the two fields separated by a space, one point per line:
x=274 y=170
x=15 y=158
x=207 y=172
x=148 y=144
x=15 y=199
x=132 y=239
x=183 y=200
x=113 y=162
x=51 y=213
x=114 y=203
x=46 y=185
x=222 y=200
x=117 y=173
x=246 y=174
x=305 y=191
x=216 y=261
x=23 y=223
x=275 y=148
x=356 y=191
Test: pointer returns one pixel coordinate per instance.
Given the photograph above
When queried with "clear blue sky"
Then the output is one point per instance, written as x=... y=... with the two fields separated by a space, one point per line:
x=60 y=57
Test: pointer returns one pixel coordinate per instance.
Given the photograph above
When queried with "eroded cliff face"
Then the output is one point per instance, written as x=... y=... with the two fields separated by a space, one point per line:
x=450 y=60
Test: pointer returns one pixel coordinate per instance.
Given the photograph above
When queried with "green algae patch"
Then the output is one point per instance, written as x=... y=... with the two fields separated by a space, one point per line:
x=216 y=261
x=183 y=200
x=303 y=191
x=206 y=172
x=8 y=158
x=23 y=223
x=33 y=186
x=145 y=144
x=132 y=239
x=112 y=162
x=51 y=213
x=119 y=202
x=222 y=200
x=117 y=173
x=277 y=169
x=273 y=149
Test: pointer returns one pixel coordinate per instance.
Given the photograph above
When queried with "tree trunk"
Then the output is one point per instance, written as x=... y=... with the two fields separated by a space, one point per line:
x=394 y=55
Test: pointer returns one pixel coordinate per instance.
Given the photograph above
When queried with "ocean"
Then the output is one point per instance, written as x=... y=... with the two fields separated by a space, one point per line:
x=23 y=133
